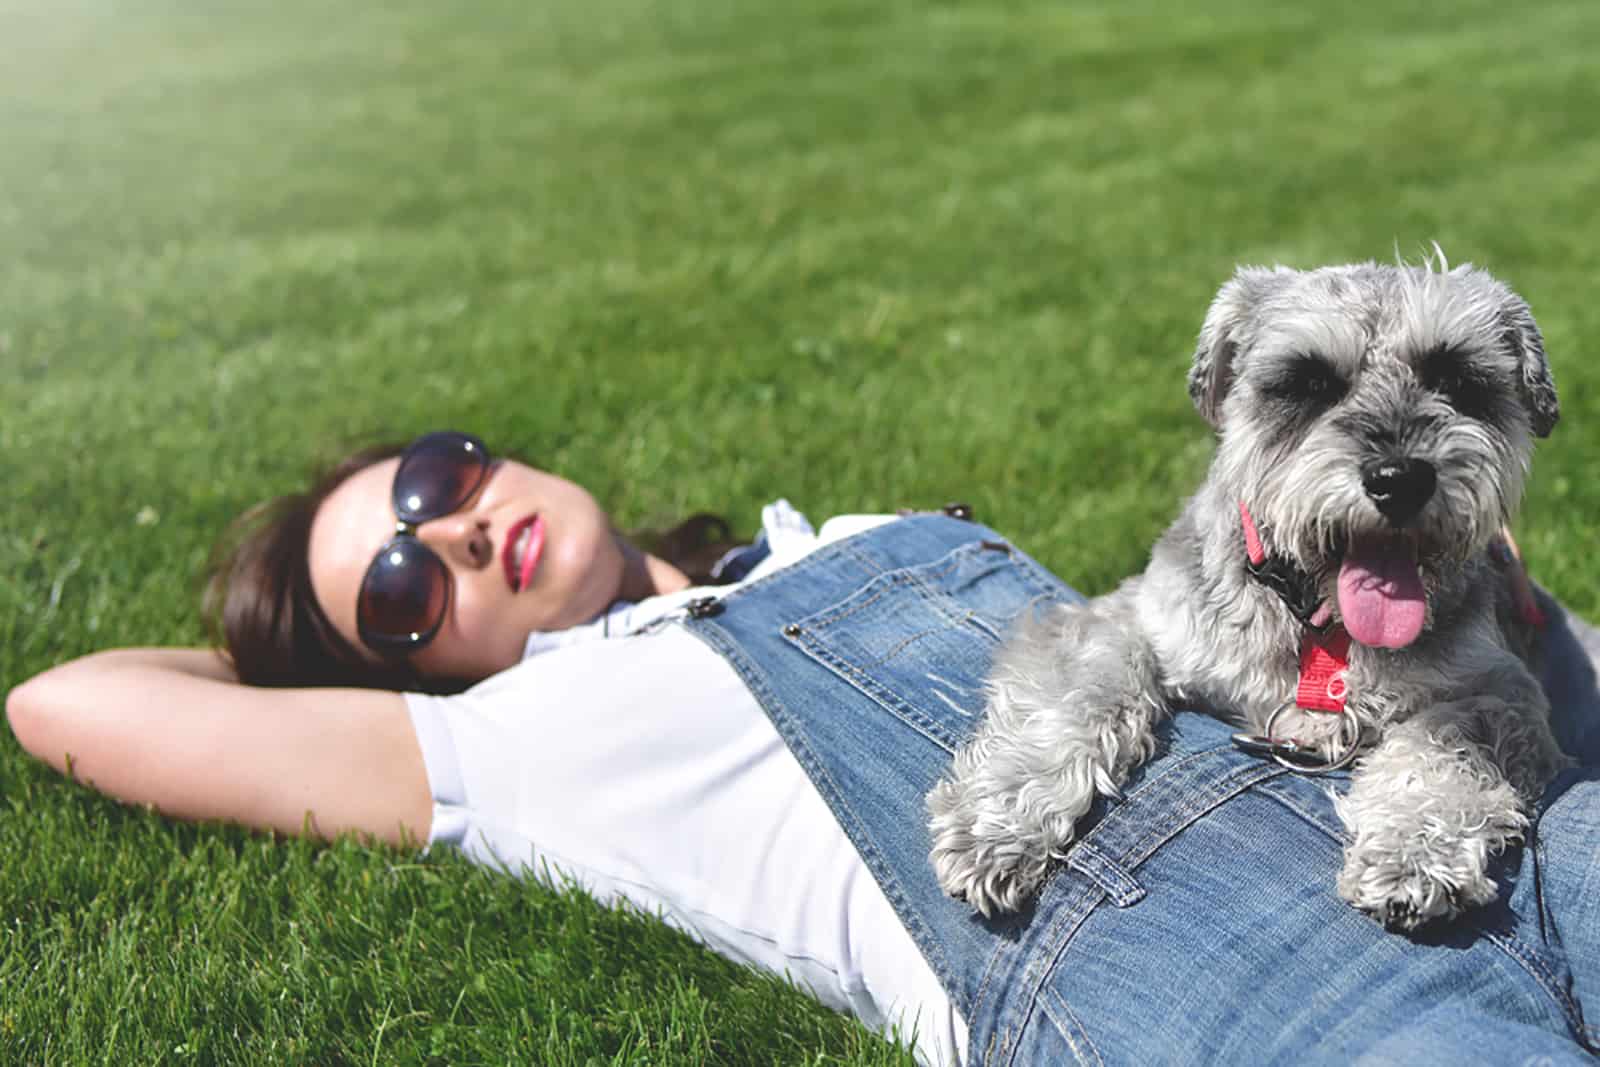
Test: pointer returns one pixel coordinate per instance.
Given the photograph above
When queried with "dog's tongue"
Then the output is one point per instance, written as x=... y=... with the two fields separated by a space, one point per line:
x=1381 y=597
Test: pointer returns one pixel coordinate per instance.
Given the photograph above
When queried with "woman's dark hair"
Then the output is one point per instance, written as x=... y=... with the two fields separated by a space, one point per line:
x=259 y=603
x=694 y=545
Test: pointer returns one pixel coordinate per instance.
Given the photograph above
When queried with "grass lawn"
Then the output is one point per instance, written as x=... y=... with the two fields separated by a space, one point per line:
x=862 y=253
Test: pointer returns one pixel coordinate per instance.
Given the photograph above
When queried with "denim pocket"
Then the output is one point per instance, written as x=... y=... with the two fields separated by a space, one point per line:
x=919 y=640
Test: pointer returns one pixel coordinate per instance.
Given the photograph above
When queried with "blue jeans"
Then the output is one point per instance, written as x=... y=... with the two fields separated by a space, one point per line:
x=1195 y=920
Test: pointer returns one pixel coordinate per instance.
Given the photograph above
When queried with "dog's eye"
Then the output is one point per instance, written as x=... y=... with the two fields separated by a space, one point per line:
x=1309 y=380
x=1449 y=373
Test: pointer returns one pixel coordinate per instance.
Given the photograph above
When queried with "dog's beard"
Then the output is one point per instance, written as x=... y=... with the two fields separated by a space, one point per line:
x=1382 y=580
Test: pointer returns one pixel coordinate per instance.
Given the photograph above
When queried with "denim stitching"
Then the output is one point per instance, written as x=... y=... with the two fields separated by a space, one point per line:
x=1528 y=958
x=910 y=574
x=1069 y=1028
x=1079 y=898
x=1589 y=1034
x=937 y=599
x=1038 y=598
x=826 y=561
x=1194 y=805
x=1189 y=805
x=887 y=881
x=1030 y=575
x=981 y=993
x=886 y=581
x=1105 y=872
x=1292 y=803
x=1536 y=968
x=970 y=550
x=921 y=574
x=1080 y=902
x=1048 y=583
x=888 y=699
x=872 y=564
x=779 y=712
x=1062 y=929
x=953 y=624
x=879 y=586
x=817 y=558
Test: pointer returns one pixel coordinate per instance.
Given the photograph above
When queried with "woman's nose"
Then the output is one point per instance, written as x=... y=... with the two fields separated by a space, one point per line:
x=460 y=539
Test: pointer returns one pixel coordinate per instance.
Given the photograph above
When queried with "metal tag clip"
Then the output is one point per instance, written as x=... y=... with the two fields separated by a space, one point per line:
x=1298 y=756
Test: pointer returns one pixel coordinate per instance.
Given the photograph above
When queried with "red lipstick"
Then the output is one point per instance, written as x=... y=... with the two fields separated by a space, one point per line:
x=519 y=556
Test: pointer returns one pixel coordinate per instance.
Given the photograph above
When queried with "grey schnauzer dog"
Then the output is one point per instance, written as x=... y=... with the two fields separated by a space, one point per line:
x=1375 y=426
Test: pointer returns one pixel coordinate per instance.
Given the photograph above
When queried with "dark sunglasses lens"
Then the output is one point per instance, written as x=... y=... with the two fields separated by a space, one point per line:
x=437 y=474
x=405 y=593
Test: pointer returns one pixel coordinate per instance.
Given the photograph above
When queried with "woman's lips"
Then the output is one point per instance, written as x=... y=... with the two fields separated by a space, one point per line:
x=523 y=546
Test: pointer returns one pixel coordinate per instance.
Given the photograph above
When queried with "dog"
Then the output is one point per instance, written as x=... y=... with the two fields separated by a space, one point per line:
x=1375 y=426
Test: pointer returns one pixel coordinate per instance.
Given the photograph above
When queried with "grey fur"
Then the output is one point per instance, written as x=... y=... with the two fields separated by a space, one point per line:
x=1440 y=365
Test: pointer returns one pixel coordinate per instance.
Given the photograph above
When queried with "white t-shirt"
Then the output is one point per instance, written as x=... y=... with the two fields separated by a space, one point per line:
x=640 y=768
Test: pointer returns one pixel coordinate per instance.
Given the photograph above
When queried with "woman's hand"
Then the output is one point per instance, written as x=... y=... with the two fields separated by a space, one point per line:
x=173 y=728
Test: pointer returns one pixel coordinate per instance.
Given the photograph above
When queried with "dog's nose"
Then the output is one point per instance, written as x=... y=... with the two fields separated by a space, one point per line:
x=1399 y=487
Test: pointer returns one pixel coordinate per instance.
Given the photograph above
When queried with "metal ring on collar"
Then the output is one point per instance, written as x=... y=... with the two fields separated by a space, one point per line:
x=1287 y=754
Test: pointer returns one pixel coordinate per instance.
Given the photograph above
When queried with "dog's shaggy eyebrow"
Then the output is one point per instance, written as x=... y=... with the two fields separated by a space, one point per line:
x=1339 y=339
x=1465 y=360
x=1297 y=363
x=1470 y=383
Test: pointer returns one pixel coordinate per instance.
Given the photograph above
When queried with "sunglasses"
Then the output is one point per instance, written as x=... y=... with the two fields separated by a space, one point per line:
x=406 y=590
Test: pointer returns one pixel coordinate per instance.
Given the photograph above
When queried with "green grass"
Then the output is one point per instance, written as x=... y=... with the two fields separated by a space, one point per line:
x=863 y=254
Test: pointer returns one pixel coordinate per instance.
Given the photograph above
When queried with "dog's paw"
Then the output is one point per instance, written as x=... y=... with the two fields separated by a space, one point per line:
x=1408 y=887
x=979 y=853
x=993 y=849
x=1426 y=812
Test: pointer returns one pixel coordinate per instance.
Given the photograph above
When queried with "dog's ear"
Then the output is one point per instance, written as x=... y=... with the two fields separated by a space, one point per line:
x=1522 y=337
x=1220 y=336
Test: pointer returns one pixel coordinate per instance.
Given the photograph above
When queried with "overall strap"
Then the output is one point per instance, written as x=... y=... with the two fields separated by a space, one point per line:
x=869 y=656
x=802 y=640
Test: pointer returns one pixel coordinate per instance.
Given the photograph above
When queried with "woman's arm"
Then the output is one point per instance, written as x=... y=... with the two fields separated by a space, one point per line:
x=173 y=728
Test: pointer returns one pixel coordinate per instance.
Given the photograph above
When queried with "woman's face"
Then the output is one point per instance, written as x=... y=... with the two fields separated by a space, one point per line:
x=504 y=584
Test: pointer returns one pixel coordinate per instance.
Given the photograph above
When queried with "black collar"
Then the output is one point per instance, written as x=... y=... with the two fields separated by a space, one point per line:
x=1283 y=576
x=1294 y=586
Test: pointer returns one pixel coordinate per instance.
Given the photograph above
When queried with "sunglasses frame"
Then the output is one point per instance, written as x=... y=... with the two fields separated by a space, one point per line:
x=407 y=521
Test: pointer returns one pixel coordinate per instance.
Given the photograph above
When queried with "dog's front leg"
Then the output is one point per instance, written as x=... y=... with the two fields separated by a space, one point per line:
x=1073 y=699
x=1431 y=804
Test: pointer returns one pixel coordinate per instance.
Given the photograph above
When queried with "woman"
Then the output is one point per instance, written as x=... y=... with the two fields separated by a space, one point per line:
x=750 y=762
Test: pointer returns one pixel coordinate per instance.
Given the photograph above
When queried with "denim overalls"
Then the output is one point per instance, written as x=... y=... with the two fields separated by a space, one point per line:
x=1195 y=920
